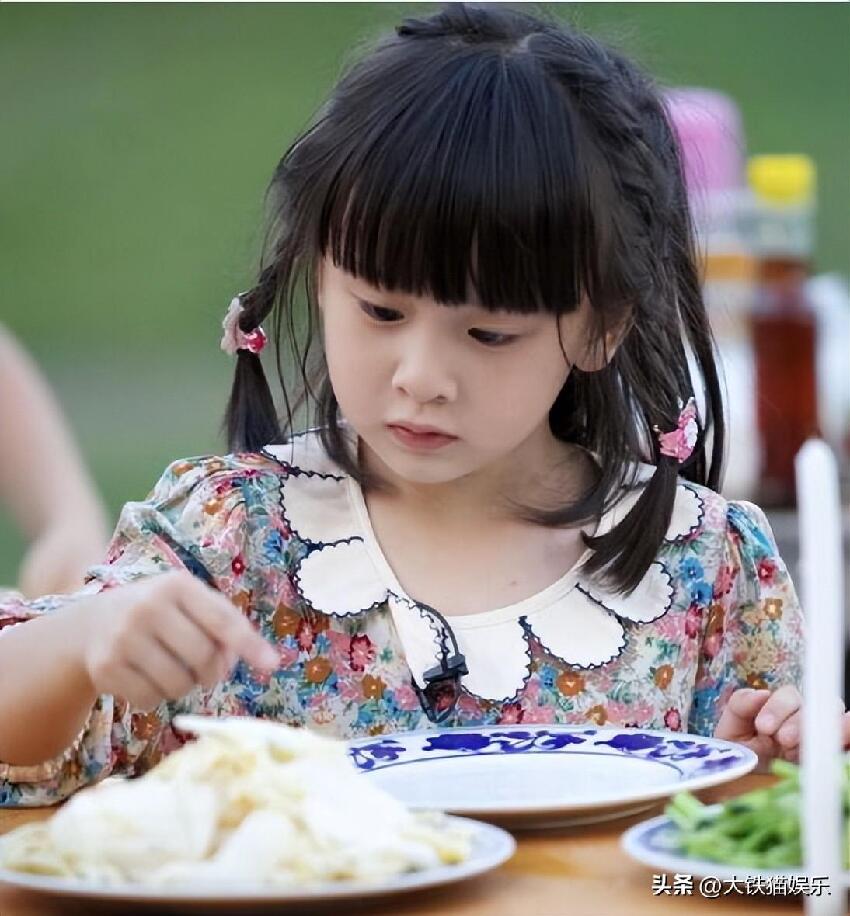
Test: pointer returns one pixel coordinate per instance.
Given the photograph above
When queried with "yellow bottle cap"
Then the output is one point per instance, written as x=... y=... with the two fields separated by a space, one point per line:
x=783 y=179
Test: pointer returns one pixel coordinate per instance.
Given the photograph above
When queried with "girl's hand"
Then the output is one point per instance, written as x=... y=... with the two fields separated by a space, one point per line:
x=769 y=723
x=158 y=638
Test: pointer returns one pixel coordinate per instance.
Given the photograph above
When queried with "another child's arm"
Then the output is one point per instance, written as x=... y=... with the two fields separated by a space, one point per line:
x=43 y=480
x=751 y=660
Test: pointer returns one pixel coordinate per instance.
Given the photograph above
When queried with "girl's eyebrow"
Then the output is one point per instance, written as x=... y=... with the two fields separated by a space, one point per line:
x=361 y=289
x=398 y=297
x=485 y=315
x=381 y=297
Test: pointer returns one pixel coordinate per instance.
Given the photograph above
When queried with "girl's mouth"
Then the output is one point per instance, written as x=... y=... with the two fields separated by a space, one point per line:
x=418 y=440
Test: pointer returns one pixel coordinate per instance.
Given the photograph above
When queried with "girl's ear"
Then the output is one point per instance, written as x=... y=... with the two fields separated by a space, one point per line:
x=599 y=356
x=583 y=347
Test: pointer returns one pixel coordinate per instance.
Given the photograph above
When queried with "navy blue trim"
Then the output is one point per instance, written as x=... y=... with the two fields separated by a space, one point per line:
x=296 y=580
x=297 y=472
x=526 y=630
x=575 y=665
x=621 y=617
x=432 y=622
x=438 y=628
x=700 y=517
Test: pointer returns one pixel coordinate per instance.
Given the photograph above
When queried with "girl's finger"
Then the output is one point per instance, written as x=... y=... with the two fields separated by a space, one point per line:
x=736 y=720
x=223 y=622
x=792 y=755
x=218 y=669
x=782 y=704
x=137 y=690
x=766 y=749
x=188 y=642
x=165 y=671
x=788 y=734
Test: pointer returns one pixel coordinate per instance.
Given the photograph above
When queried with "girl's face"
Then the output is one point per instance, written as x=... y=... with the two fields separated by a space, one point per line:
x=486 y=378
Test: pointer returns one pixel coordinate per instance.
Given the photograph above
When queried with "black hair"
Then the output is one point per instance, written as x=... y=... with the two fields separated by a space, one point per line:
x=482 y=144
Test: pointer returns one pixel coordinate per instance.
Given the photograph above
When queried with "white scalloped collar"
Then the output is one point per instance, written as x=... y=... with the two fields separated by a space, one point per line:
x=345 y=573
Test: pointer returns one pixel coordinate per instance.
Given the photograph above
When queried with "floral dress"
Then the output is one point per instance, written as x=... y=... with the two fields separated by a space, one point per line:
x=285 y=535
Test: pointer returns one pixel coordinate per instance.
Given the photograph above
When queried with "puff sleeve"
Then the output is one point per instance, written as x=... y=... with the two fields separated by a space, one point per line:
x=753 y=632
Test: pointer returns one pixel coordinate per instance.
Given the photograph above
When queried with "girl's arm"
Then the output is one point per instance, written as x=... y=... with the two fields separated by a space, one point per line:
x=146 y=641
x=41 y=715
x=43 y=480
x=753 y=634
x=88 y=681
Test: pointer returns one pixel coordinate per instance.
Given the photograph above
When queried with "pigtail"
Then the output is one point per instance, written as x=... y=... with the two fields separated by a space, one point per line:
x=649 y=378
x=632 y=545
x=250 y=419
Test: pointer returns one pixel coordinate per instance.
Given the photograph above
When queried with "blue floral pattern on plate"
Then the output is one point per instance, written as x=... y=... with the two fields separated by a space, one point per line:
x=547 y=775
x=694 y=756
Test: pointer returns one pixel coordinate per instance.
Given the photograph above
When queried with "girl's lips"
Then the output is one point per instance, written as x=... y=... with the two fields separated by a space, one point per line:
x=426 y=441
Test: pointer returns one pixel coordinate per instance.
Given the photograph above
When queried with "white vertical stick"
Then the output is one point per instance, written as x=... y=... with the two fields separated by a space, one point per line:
x=822 y=593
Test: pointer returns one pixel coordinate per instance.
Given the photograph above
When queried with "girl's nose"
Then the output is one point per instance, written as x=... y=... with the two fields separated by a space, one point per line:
x=423 y=376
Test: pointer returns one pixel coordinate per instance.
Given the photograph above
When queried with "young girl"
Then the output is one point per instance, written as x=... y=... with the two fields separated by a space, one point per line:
x=507 y=511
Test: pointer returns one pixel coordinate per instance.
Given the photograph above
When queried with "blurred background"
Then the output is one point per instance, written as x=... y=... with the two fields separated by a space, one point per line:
x=139 y=139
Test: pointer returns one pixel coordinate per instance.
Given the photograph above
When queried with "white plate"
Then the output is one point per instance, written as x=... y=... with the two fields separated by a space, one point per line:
x=655 y=843
x=491 y=846
x=545 y=776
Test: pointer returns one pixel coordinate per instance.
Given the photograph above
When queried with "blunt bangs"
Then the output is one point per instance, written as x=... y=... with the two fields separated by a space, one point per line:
x=465 y=187
x=482 y=155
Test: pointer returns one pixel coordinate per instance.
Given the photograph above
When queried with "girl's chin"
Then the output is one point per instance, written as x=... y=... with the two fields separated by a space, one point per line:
x=411 y=471
x=387 y=456
x=425 y=469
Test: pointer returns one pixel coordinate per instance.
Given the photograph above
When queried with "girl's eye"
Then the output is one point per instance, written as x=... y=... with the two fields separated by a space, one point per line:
x=379 y=312
x=492 y=338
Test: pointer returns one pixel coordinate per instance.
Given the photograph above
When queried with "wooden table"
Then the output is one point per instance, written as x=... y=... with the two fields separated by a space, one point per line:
x=570 y=872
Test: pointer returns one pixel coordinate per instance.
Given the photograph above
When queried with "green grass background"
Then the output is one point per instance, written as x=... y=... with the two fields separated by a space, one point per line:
x=137 y=142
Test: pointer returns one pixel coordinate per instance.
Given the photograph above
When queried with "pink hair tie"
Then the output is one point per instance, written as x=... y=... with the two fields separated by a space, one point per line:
x=234 y=338
x=680 y=442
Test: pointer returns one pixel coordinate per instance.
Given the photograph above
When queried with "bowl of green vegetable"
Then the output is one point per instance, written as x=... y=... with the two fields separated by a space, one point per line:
x=756 y=834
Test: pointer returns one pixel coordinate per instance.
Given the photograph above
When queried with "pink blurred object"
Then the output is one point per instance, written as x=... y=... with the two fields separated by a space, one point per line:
x=709 y=128
x=711 y=134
